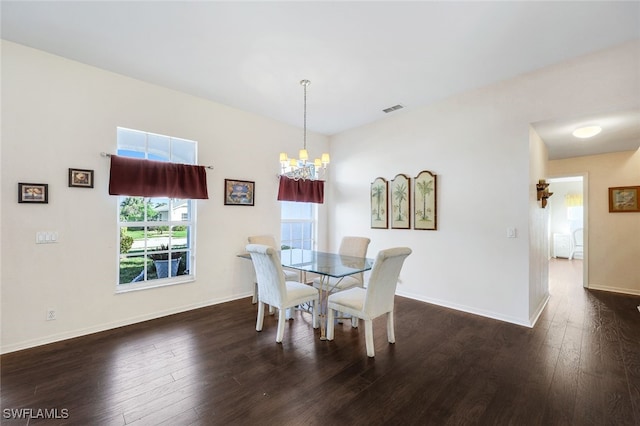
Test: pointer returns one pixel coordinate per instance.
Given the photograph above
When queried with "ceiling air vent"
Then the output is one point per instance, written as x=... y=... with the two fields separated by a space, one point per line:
x=393 y=108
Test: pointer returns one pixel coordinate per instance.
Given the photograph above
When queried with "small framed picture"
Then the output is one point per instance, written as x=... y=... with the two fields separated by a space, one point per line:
x=35 y=193
x=81 y=178
x=624 y=199
x=239 y=192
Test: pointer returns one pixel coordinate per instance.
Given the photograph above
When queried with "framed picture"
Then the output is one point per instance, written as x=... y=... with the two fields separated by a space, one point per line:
x=424 y=201
x=36 y=193
x=379 y=218
x=238 y=192
x=623 y=199
x=81 y=178
x=400 y=203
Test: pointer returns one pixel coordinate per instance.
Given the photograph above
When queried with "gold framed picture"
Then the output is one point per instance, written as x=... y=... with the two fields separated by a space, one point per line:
x=624 y=199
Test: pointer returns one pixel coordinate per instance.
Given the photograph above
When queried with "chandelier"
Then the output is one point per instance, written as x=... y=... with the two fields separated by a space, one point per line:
x=302 y=168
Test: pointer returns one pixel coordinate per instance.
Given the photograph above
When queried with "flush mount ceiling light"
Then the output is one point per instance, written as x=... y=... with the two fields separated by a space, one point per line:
x=587 y=132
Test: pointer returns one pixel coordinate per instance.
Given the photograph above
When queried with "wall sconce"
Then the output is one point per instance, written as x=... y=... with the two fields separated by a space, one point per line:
x=543 y=192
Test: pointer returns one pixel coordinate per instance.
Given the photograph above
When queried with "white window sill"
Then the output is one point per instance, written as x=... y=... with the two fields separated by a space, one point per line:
x=128 y=287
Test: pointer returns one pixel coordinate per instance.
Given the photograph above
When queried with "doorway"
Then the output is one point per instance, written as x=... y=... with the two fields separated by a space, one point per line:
x=568 y=224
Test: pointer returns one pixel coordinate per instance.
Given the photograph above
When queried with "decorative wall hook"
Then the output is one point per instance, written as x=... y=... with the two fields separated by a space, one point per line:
x=543 y=192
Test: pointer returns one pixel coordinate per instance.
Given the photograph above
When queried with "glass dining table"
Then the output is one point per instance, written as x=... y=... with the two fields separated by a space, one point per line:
x=326 y=266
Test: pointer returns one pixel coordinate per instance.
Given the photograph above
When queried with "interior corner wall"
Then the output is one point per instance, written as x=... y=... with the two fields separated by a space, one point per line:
x=613 y=245
x=58 y=114
x=477 y=143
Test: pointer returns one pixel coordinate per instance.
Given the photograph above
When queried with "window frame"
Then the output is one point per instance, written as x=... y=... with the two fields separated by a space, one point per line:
x=190 y=224
x=313 y=238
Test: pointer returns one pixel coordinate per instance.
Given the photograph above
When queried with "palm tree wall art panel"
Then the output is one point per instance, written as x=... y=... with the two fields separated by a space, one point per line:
x=379 y=204
x=424 y=199
x=400 y=202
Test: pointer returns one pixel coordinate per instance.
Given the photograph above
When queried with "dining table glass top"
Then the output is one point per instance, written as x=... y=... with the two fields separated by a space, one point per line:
x=329 y=264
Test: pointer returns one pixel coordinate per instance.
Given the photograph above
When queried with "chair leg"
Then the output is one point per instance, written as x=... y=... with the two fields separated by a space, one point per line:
x=282 y=319
x=368 y=337
x=354 y=321
x=391 y=334
x=314 y=314
x=260 y=319
x=330 y=324
x=254 y=299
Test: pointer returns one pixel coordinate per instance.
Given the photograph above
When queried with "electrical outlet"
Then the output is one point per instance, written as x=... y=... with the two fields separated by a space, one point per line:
x=51 y=314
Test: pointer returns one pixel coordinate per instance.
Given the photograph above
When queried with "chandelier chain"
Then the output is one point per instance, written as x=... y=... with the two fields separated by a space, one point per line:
x=303 y=168
x=305 y=83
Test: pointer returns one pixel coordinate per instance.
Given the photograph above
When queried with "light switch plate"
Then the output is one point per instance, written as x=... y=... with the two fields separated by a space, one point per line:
x=46 y=237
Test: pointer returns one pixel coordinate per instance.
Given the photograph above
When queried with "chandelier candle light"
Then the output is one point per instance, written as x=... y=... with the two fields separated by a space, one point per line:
x=302 y=168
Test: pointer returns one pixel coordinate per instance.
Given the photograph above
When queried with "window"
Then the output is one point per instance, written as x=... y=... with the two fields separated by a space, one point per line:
x=156 y=234
x=575 y=211
x=298 y=225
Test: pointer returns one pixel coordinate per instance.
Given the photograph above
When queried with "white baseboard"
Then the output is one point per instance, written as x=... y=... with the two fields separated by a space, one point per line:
x=109 y=326
x=629 y=291
x=468 y=309
x=534 y=318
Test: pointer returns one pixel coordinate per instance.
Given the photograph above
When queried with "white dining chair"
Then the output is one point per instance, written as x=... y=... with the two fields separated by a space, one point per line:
x=376 y=300
x=269 y=240
x=275 y=291
x=349 y=246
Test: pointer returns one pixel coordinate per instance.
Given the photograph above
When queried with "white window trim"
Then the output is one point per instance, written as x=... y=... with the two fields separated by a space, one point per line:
x=314 y=226
x=161 y=282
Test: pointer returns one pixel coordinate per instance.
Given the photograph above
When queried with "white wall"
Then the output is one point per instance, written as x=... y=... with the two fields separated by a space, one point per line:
x=468 y=263
x=479 y=145
x=613 y=243
x=58 y=114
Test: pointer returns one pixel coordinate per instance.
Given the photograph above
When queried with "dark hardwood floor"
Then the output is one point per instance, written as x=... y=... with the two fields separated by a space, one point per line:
x=580 y=365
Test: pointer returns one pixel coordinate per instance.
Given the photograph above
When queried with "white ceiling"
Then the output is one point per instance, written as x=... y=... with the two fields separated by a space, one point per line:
x=361 y=57
x=620 y=132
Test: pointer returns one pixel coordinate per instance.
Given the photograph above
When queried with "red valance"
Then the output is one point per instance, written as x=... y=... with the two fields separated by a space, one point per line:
x=302 y=191
x=148 y=178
